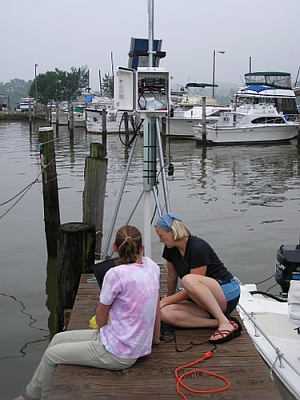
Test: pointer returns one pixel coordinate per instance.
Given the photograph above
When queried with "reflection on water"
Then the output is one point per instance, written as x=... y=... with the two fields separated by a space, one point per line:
x=244 y=200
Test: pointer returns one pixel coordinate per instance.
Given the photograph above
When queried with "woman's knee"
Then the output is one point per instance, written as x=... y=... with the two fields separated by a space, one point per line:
x=166 y=314
x=189 y=280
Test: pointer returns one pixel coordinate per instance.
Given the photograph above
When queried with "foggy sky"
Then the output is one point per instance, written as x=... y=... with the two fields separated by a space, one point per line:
x=66 y=33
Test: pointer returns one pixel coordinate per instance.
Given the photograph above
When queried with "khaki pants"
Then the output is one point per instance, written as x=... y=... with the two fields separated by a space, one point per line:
x=80 y=347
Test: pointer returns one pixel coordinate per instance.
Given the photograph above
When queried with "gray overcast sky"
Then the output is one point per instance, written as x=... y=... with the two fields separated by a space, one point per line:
x=65 y=33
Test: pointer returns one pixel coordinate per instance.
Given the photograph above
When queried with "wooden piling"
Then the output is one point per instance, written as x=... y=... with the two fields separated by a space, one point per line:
x=48 y=122
x=104 y=127
x=71 y=121
x=75 y=255
x=30 y=117
x=57 y=118
x=204 y=120
x=94 y=190
x=50 y=188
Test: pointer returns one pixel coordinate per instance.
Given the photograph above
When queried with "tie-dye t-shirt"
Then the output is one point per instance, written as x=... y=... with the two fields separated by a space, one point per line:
x=132 y=290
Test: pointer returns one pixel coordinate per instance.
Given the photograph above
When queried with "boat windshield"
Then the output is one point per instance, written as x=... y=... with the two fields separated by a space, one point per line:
x=275 y=79
x=287 y=106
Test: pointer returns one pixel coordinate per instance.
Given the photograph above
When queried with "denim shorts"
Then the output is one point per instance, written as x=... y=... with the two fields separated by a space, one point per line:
x=232 y=293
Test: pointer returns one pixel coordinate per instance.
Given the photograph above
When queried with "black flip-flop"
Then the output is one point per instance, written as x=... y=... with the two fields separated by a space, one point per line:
x=229 y=336
x=235 y=320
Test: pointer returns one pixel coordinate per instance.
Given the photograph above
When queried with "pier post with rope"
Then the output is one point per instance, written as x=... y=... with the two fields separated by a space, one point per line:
x=50 y=188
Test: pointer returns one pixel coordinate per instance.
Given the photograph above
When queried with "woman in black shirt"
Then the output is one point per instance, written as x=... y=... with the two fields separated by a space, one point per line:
x=210 y=292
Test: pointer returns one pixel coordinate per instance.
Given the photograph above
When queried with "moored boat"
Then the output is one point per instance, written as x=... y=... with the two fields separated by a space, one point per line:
x=25 y=104
x=264 y=110
x=273 y=322
x=257 y=123
x=188 y=111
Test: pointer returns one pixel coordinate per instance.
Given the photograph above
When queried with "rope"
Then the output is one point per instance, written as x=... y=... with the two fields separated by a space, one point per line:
x=180 y=378
x=26 y=189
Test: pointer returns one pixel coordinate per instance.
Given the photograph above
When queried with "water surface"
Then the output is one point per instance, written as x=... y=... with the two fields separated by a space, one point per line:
x=243 y=200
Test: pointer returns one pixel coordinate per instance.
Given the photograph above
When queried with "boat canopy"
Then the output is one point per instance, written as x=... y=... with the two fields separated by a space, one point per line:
x=200 y=85
x=269 y=78
x=259 y=88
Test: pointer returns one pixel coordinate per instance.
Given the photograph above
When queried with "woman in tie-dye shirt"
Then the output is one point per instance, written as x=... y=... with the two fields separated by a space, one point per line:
x=130 y=298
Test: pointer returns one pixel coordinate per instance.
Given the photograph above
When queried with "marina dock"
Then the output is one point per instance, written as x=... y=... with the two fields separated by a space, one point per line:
x=152 y=377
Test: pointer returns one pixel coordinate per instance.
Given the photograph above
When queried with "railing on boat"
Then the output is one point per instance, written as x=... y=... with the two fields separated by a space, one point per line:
x=278 y=352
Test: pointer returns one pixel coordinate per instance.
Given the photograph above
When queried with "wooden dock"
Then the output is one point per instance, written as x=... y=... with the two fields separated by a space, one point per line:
x=152 y=377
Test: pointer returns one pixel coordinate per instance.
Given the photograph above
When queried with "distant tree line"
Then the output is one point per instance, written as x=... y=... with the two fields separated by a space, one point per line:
x=53 y=86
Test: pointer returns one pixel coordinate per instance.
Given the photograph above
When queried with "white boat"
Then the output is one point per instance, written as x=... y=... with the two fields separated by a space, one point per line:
x=273 y=322
x=195 y=91
x=94 y=115
x=3 y=102
x=60 y=114
x=269 y=93
x=25 y=104
x=188 y=110
x=251 y=123
x=79 y=117
x=182 y=122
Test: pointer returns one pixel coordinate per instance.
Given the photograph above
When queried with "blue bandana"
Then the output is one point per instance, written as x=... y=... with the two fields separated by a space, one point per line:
x=165 y=221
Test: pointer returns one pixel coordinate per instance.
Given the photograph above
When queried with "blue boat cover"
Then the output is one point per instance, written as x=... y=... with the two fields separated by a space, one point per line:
x=258 y=88
x=88 y=99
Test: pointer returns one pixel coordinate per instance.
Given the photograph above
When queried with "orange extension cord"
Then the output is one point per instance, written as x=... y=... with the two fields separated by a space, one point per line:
x=179 y=378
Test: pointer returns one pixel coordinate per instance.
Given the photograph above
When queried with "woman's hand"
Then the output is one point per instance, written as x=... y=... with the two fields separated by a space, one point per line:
x=174 y=298
x=164 y=302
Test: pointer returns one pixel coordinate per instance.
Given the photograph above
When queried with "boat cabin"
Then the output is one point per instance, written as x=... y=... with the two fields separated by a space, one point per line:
x=271 y=88
x=194 y=93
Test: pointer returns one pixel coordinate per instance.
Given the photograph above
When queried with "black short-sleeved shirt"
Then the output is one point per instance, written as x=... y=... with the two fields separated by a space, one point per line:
x=197 y=253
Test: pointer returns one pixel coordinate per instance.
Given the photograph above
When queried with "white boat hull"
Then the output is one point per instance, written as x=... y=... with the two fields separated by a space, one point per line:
x=181 y=127
x=258 y=134
x=93 y=121
x=275 y=337
x=62 y=118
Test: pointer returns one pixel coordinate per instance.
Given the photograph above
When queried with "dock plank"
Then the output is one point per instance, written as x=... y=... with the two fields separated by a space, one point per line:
x=152 y=377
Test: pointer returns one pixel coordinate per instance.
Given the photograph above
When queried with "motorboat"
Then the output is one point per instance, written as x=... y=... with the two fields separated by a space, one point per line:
x=251 y=123
x=25 y=104
x=264 y=110
x=94 y=113
x=3 y=103
x=60 y=114
x=79 y=117
x=188 y=110
x=273 y=321
x=181 y=124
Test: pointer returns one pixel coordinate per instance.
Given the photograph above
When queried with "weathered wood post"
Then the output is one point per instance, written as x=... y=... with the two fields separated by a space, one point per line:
x=71 y=120
x=30 y=117
x=50 y=188
x=47 y=117
x=94 y=190
x=104 y=128
x=57 y=118
x=75 y=256
x=203 y=120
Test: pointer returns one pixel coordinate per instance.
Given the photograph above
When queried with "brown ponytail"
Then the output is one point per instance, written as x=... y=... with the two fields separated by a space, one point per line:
x=128 y=242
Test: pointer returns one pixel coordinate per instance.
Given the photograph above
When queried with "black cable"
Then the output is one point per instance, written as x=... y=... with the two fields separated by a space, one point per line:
x=265 y=280
x=166 y=332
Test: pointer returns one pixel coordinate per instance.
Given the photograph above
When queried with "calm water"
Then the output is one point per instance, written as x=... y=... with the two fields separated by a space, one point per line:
x=243 y=200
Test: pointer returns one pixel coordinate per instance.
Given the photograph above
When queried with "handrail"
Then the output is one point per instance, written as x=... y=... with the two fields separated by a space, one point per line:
x=278 y=352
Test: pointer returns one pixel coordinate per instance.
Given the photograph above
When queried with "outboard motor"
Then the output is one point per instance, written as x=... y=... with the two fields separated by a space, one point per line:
x=287 y=266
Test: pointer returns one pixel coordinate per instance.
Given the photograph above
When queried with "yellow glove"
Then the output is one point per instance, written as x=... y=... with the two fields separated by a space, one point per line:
x=93 y=323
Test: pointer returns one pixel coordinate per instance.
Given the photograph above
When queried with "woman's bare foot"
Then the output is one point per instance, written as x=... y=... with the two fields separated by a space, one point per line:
x=226 y=331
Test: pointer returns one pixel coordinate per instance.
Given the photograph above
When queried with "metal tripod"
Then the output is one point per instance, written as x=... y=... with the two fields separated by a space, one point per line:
x=152 y=141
